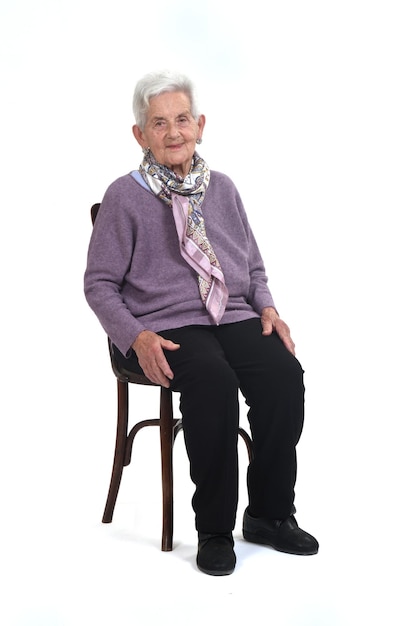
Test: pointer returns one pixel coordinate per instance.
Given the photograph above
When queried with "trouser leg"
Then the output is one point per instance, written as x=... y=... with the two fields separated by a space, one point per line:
x=210 y=414
x=271 y=380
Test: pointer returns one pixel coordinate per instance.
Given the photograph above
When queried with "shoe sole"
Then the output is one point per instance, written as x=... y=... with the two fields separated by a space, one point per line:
x=254 y=538
x=216 y=572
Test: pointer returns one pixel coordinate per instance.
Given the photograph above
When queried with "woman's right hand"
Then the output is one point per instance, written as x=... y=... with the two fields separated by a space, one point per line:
x=149 y=348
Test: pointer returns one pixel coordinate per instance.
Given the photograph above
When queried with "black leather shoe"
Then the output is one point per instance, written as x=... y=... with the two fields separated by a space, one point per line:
x=215 y=554
x=283 y=535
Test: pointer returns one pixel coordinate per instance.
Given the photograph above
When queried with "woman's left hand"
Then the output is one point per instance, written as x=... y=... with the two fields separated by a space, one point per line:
x=271 y=322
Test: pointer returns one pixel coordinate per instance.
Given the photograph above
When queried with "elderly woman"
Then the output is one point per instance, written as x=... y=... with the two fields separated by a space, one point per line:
x=176 y=279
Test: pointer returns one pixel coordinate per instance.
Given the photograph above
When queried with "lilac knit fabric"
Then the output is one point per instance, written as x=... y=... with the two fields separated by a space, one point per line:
x=136 y=278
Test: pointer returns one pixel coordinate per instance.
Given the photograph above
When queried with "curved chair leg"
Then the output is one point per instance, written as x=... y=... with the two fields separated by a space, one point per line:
x=167 y=441
x=119 y=451
x=248 y=441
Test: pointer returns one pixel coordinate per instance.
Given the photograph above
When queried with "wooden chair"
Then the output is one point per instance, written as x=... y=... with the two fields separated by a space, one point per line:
x=169 y=427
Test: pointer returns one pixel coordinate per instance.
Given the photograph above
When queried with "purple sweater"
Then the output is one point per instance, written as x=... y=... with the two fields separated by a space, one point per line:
x=136 y=278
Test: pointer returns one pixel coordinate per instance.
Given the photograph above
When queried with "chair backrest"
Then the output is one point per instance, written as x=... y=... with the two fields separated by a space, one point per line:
x=94 y=210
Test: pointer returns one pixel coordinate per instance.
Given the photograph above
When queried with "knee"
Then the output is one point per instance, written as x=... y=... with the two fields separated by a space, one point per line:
x=287 y=371
x=295 y=371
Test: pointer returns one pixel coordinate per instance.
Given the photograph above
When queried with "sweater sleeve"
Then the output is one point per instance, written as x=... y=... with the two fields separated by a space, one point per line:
x=108 y=260
x=259 y=295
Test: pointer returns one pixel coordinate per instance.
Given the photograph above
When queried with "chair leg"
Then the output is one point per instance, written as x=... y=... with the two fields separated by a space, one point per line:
x=248 y=441
x=167 y=442
x=120 y=449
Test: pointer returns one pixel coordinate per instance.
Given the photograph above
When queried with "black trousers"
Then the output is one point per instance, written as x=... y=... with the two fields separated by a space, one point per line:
x=213 y=363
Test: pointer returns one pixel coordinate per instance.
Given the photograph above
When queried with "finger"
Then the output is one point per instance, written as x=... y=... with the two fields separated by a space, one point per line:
x=157 y=376
x=266 y=327
x=163 y=368
x=289 y=344
x=170 y=345
x=167 y=372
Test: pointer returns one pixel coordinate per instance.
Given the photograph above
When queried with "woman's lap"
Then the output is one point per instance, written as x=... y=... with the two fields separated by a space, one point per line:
x=240 y=347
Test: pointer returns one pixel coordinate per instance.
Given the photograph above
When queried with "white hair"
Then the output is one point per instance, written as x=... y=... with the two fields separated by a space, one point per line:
x=156 y=83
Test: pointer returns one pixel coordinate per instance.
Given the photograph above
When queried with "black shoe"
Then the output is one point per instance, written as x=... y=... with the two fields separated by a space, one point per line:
x=284 y=535
x=215 y=554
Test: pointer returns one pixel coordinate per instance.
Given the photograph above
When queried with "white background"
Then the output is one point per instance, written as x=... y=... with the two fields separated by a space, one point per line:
x=311 y=109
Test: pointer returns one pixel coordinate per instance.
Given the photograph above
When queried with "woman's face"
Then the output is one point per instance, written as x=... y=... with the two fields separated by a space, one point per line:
x=171 y=131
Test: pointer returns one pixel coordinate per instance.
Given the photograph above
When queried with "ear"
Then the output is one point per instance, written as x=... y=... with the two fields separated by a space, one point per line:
x=139 y=136
x=201 y=123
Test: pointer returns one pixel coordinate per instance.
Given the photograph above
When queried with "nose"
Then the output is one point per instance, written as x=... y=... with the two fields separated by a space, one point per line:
x=172 y=130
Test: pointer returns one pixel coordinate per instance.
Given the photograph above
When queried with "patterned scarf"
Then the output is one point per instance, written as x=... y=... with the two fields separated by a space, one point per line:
x=185 y=196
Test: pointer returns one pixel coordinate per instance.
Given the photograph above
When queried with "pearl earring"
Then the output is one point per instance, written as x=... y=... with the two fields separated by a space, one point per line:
x=199 y=140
